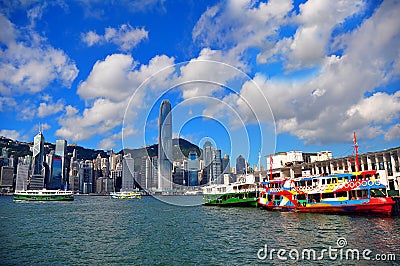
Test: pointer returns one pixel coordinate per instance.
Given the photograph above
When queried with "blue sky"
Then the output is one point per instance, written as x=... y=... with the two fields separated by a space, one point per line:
x=252 y=76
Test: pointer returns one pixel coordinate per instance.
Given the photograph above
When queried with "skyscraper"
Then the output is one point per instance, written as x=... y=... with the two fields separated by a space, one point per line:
x=38 y=153
x=216 y=165
x=207 y=158
x=165 y=147
x=193 y=169
x=240 y=165
x=58 y=175
x=226 y=165
x=146 y=173
x=86 y=176
x=128 y=181
x=22 y=174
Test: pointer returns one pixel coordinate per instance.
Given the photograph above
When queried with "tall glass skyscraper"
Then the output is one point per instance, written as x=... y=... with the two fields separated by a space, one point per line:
x=55 y=181
x=165 y=147
x=38 y=154
x=58 y=174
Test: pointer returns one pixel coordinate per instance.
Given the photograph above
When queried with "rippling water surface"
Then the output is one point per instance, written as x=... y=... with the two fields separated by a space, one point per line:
x=102 y=231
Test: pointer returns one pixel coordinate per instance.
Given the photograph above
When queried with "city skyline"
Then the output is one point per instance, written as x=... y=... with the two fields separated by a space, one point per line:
x=314 y=71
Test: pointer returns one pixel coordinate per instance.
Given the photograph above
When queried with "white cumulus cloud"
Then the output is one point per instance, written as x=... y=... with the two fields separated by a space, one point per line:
x=29 y=64
x=125 y=37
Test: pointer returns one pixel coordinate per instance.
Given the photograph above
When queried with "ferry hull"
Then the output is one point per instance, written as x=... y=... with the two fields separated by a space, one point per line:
x=232 y=202
x=374 y=207
x=18 y=197
x=243 y=199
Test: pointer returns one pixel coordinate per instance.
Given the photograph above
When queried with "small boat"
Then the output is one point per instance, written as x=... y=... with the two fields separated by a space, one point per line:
x=126 y=195
x=43 y=195
x=242 y=193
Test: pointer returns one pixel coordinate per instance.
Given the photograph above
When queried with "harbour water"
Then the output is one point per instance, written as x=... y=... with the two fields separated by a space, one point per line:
x=103 y=231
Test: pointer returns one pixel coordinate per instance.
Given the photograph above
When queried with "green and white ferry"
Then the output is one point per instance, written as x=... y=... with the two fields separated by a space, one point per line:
x=43 y=195
x=242 y=193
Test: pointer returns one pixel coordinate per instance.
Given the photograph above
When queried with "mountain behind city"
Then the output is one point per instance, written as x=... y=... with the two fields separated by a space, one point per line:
x=181 y=148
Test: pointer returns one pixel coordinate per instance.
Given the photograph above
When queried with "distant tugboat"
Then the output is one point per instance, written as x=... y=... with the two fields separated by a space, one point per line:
x=242 y=193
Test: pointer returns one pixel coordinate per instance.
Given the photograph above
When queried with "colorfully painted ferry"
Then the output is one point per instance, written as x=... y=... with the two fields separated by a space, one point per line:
x=43 y=195
x=351 y=193
x=242 y=193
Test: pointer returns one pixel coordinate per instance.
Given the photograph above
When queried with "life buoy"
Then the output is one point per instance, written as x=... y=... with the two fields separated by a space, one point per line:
x=370 y=183
x=352 y=184
x=378 y=183
x=346 y=185
x=358 y=183
x=364 y=183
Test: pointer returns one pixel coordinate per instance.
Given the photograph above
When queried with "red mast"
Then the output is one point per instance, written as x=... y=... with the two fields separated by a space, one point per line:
x=356 y=148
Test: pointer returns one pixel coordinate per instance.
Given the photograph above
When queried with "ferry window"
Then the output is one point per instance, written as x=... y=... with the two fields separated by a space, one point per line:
x=323 y=181
x=364 y=194
x=352 y=195
x=269 y=197
x=377 y=193
x=328 y=181
x=277 y=197
x=309 y=183
x=327 y=195
x=314 y=198
x=353 y=177
x=381 y=166
x=341 y=194
x=340 y=179
x=301 y=196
